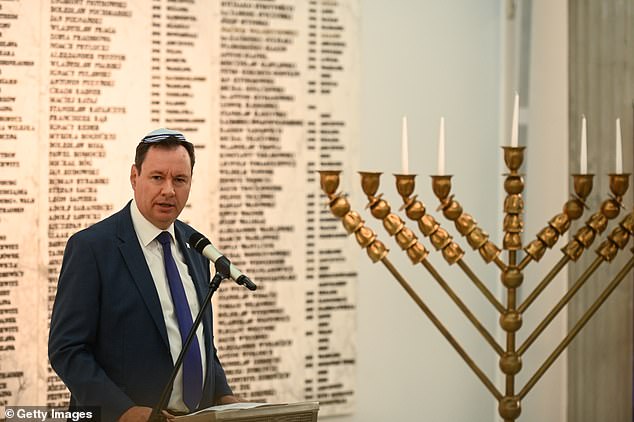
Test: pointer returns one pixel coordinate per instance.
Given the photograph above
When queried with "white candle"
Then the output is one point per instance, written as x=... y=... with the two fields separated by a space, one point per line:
x=514 y=124
x=619 y=148
x=441 y=148
x=404 y=148
x=583 y=159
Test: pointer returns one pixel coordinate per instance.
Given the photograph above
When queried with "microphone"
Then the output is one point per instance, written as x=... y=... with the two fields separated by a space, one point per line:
x=209 y=251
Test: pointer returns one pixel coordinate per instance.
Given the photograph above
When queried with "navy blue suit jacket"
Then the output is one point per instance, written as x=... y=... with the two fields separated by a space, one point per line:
x=108 y=340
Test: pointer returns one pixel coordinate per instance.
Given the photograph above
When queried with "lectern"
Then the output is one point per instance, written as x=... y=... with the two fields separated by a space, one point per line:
x=291 y=412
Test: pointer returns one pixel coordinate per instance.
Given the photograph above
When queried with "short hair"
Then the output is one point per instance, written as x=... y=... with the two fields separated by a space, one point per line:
x=171 y=140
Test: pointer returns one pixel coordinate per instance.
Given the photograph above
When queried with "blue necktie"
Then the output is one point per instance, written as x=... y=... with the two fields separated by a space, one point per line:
x=192 y=363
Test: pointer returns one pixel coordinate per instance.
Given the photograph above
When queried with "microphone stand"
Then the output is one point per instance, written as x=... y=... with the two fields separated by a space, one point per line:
x=223 y=271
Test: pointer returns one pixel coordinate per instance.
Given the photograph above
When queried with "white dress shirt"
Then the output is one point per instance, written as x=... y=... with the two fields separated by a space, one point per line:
x=153 y=251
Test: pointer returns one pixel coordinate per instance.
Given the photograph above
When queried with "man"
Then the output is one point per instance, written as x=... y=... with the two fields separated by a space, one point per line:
x=128 y=290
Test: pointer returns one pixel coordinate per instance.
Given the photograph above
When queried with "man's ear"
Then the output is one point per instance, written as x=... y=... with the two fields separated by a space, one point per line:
x=133 y=175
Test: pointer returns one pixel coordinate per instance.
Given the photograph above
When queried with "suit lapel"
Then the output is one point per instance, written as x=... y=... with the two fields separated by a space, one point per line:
x=135 y=260
x=196 y=272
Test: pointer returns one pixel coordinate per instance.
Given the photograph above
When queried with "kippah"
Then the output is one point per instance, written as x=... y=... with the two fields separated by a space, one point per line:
x=162 y=134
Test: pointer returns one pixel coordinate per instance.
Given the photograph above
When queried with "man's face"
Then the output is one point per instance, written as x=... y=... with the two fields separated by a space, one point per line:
x=162 y=186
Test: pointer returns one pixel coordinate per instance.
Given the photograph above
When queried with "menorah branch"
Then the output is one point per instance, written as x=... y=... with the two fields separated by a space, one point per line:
x=396 y=227
x=480 y=285
x=415 y=210
x=560 y=305
x=598 y=222
x=559 y=224
x=577 y=328
x=457 y=347
x=477 y=238
x=576 y=245
x=351 y=220
x=366 y=238
x=487 y=336
x=543 y=284
x=617 y=239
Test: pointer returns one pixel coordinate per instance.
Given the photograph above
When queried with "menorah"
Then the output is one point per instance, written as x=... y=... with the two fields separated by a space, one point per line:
x=510 y=357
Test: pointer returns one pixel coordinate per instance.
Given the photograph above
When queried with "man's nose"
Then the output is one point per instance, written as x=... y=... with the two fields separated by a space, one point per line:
x=168 y=187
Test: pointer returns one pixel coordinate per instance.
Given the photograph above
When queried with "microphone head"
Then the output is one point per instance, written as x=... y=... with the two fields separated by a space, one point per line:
x=198 y=241
x=246 y=282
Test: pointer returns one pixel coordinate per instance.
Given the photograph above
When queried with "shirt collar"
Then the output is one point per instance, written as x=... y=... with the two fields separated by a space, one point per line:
x=146 y=231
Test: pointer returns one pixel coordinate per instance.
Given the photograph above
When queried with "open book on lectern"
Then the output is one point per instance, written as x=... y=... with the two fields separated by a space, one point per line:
x=245 y=412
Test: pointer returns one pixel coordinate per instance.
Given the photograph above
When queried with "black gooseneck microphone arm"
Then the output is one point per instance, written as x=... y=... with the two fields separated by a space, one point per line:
x=209 y=251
